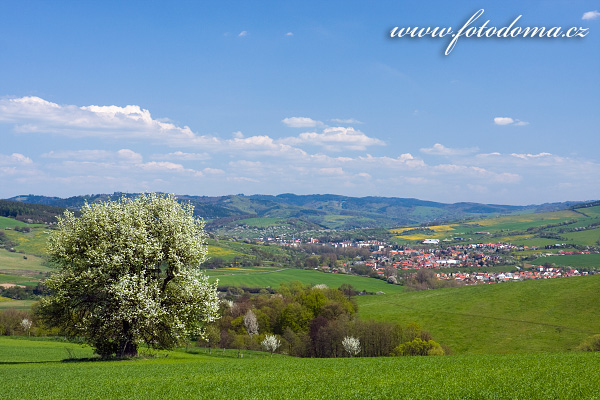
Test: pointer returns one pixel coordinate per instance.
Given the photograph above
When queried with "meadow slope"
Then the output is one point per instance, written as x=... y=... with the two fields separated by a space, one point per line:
x=528 y=316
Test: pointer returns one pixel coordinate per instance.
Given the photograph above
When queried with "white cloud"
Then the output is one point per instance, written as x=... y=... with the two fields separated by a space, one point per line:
x=213 y=171
x=79 y=154
x=35 y=115
x=509 y=121
x=441 y=150
x=289 y=34
x=331 y=171
x=129 y=156
x=263 y=163
x=180 y=155
x=503 y=120
x=530 y=156
x=336 y=139
x=243 y=33
x=15 y=159
x=346 y=121
x=591 y=15
x=301 y=122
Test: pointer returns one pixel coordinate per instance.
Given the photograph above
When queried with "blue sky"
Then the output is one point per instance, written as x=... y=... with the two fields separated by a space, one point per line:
x=215 y=98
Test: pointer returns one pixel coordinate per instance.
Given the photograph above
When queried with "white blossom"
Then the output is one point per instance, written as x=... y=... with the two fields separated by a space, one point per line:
x=271 y=343
x=251 y=323
x=128 y=274
x=351 y=345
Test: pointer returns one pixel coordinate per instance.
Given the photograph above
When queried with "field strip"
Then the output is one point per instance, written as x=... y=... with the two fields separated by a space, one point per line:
x=494 y=318
x=250 y=273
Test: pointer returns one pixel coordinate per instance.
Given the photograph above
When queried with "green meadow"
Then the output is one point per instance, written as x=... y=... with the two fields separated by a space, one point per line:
x=262 y=222
x=517 y=229
x=252 y=277
x=33 y=242
x=512 y=317
x=36 y=369
x=11 y=223
x=575 y=260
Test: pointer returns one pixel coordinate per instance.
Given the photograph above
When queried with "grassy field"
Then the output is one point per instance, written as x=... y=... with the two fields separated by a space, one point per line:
x=575 y=260
x=589 y=237
x=11 y=223
x=33 y=242
x=529 y=316
x=273 y=278
x=16 y=304
x=506 y=226
x=262 y=222
x=15 y=268
x=33 y=369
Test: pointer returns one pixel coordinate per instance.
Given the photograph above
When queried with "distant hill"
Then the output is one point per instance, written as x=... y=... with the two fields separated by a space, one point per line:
x=319 y=211
x=31 y=212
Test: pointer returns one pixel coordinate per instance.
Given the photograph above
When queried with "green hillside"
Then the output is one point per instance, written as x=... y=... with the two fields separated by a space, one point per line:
x=575 y=226
x=33 y=369
x=274 y=278
x=587 y=261
x=529 y=316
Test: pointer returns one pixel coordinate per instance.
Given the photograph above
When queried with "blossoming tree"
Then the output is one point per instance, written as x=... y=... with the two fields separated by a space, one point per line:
x=128 y=274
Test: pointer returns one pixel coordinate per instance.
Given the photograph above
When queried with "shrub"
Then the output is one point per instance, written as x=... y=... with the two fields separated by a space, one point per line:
x=591 y=343
x=419 y=347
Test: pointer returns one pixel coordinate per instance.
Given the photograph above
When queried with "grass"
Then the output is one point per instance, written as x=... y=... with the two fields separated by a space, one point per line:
x=16 y=261
x=221 y=252
x=14 y=268
x=18 y=280
x=575 y=260
x=529 y=316
x=11 y=223
x=17 y=304
x=32 y=369
x=274 y=278
x=509 y=229
x=262 y=222
x=589 y=237
x=33 y=242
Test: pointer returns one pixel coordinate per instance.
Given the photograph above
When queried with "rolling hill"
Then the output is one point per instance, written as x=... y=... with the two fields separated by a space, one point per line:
x=290 y=213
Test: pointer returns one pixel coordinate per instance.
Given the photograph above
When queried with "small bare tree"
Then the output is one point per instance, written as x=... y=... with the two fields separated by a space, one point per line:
x=271 y=343
x=251 y=323
x=351 y=345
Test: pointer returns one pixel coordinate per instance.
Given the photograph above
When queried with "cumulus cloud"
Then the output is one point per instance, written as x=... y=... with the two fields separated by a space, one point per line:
x=301 y=122
x=289 y=34
x=36 y=115
x=14 y=159
x=263 y=163
x=243 y=33
x=509 y=121
x=441 y=150
x=503 y=121
x=336 y=139
x=590 y=15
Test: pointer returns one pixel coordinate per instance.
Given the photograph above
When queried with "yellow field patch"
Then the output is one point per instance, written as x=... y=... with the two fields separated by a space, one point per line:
x=555 y=215
x=440 y=231
x=509 y=239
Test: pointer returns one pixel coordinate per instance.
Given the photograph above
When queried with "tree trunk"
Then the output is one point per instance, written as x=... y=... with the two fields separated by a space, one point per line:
x=128 y=346
x=129 y=349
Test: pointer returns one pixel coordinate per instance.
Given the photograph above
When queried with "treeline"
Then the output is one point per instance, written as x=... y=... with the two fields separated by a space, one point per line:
x=22 y=292
x=312 y=322
x=28 y=212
